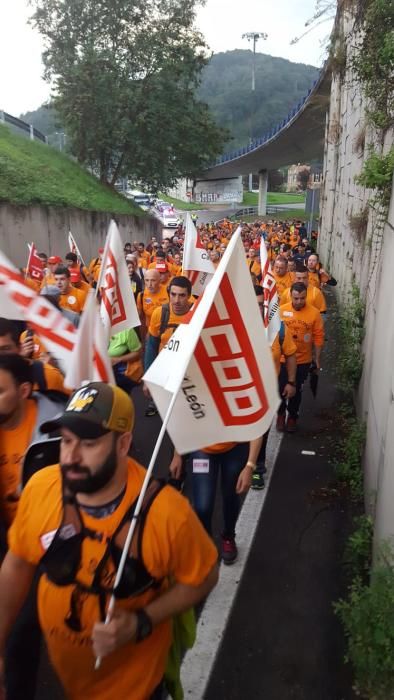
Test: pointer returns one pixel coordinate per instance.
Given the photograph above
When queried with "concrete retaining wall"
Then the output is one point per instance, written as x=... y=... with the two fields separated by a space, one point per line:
x=366 y=259
x=48 y=227
x=222 y=191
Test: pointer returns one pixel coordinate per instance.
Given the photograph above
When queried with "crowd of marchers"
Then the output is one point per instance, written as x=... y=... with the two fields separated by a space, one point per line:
x=63 y=528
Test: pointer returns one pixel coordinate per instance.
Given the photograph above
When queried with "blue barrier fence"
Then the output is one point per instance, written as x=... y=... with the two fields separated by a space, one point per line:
x=256 y=143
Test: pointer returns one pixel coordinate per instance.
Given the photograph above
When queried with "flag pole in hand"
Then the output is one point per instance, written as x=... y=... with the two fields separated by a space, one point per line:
x=134 y=519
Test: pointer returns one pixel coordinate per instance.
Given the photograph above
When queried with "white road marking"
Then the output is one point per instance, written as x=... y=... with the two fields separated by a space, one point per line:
x=199 y=661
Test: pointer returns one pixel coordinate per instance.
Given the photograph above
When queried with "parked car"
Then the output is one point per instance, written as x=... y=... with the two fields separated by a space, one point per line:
x=140 y=198
x=169 y=220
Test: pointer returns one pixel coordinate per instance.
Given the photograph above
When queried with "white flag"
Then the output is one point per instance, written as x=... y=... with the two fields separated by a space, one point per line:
x=56 y=332
x=118 y=308
x=90 y=361
x=74 y=248
x=197 y=264
x=271 y=314
x=219 y=364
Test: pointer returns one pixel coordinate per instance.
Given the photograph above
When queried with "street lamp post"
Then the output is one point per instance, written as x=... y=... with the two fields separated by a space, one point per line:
x=254 y=37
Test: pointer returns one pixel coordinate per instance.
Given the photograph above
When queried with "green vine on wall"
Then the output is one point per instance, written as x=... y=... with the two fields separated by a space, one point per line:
x=373 y=62
x=377 y=174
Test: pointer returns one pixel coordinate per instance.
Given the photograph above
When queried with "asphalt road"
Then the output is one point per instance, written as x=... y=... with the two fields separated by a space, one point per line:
x=283 y=640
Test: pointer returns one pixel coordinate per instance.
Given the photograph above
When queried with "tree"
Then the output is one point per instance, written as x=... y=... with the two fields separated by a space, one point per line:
x=125 y=75
x=303 y=176
x=275 y=180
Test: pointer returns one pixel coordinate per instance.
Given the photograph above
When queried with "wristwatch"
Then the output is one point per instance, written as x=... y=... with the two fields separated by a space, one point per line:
x=252 y=466
x=144 y=625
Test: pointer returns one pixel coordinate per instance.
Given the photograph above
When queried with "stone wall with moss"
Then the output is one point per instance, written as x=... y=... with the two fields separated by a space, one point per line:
x=357 y=222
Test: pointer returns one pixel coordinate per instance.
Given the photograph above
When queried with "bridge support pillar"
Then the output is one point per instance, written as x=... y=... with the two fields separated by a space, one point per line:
x=263 y=189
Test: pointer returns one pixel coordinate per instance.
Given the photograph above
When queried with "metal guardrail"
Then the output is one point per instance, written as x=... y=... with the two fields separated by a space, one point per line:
x=256 y=143
x=251 y=211
x=20 y=125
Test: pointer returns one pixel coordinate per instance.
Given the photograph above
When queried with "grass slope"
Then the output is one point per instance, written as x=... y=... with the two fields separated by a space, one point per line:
x=285 y=215
x=32 y=173
x=251 y=198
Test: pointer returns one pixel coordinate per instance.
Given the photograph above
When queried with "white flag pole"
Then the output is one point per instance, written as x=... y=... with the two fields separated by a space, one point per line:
x=133 y=523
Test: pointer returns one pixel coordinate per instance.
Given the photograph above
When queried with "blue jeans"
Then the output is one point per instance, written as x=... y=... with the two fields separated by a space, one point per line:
x=204 y=481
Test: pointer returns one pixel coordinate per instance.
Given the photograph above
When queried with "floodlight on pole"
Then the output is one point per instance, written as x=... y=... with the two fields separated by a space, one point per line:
x=254 y=37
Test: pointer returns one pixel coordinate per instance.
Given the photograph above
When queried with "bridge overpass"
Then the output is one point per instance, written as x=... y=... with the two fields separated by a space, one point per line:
x=298 y=138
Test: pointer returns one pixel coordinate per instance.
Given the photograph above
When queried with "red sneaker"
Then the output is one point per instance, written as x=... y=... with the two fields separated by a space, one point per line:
x=281 y=422
x=291 y=425
x=229 y=551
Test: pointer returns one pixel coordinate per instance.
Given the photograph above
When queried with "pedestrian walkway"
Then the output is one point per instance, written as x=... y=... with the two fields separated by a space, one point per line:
x=283 y=640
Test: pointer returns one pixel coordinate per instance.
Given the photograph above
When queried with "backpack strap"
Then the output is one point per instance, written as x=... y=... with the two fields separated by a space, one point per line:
x=282 y=331
x=165 y=317
x=82 y=273
x=154 y=488
x=39 y=376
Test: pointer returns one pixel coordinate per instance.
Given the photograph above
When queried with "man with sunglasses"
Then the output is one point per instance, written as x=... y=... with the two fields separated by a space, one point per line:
x=72 y=522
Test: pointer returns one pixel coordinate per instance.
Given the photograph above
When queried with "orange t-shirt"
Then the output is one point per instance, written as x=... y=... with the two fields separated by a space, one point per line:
x=306 y=328
x=219 y=447
x=147 y=302
x=49 y=279
x=174 y=544
x=288 y=348
x=13 y=446
x=314 y=297
x=39 y=347
x=33 y=284
x=283 y=282
x=176 y=270
x=73 y=300
x=94 y=268
x=154 y=326
x=254 y=267
x=143 y=262
x=316 y=279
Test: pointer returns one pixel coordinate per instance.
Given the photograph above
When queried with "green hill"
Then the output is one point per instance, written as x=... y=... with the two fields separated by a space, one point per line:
x=226 y=88
x=33 y=173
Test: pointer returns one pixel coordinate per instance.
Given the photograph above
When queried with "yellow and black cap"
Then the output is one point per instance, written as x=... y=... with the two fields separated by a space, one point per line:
x=94 y=410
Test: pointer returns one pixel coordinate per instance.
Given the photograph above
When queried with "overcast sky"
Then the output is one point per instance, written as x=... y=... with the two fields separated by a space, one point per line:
x=222 y=21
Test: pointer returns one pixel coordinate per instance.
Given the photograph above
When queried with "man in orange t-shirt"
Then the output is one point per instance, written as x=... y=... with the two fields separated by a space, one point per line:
x=253 y=263
x=20 y=414
x=70 y=297
x=307 y=329
x=283 y=278
x=282 y=347
x=72 y=522
x=314 y=296
x=163 y=323
x=316 y=274
x=153 y=297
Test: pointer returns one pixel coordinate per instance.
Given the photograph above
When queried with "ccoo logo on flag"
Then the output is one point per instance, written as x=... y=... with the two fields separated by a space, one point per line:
x=227 y=362
x=111 y=293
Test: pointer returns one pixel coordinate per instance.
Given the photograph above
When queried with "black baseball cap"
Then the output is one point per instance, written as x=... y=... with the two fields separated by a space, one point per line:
x=94 y=410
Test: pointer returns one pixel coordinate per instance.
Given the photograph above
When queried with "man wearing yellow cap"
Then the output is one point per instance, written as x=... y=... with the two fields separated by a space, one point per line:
x=72 y=521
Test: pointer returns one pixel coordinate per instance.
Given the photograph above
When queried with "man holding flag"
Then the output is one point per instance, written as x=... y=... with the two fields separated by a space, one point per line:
x=215 y=386
x=170 y=566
